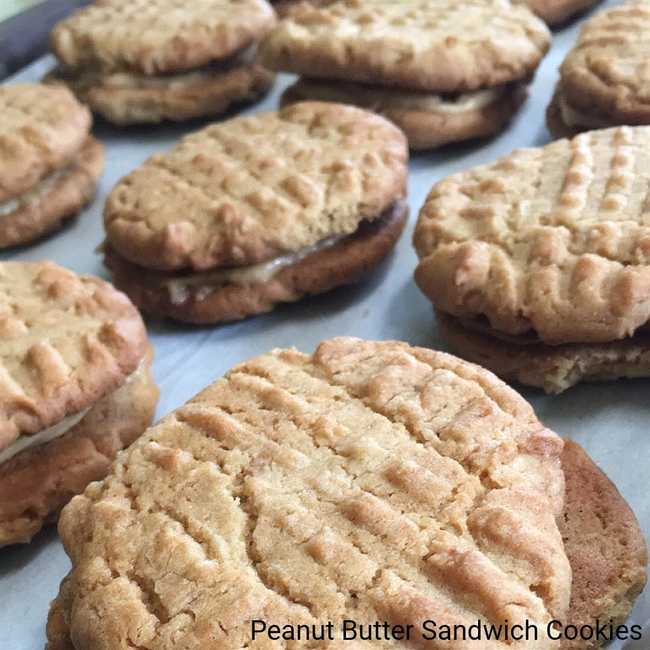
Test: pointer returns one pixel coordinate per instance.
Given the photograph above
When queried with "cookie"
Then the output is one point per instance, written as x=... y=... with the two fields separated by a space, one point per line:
x=72 y=353
x=603 y=79
x=428 y=120
x=437 y=70
x=554 y=368
x=49 y=164
x=557 y=12
x=551 y=241
x=146 y=62
x=225 y=295
x=258 y=210
x=371 y=481
x=126 y=98
x=604 y=544
x=158 y=36
x=438 y=47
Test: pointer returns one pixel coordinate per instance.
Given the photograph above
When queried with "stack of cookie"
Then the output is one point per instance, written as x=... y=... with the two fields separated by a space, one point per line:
x=443 y=71
x=75 y=389
x=136 y=61
x=49 y=162
x=257 y=211
x=369 y=481
x=539 y=264
x=604 y=80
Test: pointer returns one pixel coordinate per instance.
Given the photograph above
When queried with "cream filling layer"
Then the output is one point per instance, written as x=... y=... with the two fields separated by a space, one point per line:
x=204 y=283
x=572 y=117
x=33 y=195
x=57 y=430
x=389 y=98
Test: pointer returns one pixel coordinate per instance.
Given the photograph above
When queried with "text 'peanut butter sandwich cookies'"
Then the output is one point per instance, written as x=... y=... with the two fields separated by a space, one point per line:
x=49 y=163
x=135 y=61
x=75 y=388
x=443 y=71
x=368 y=482
x=605 y=78
x=539 y=263
x=257 y=211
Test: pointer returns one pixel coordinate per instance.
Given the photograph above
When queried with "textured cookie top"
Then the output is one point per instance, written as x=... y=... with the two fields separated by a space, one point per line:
x=554 y=239
x=439 y=46
x=369 y=481
x=607 y=72
x=65 y=341
x=154 y=36
x=41 y=128
x=252 y=188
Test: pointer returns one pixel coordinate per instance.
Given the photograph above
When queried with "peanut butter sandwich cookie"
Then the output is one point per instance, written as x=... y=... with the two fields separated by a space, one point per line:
x=257 y=211
x=443 y=71
x=557 y=12
x=368 y=482
x=75 y=388
x=49 y=162
x=540 y=262
x=605 y=80
x=137 y=61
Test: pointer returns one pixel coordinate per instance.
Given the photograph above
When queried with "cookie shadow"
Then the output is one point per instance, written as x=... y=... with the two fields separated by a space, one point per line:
x=18 y=556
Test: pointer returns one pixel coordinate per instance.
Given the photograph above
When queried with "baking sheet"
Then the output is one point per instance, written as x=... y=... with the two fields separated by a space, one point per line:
x=612 y=421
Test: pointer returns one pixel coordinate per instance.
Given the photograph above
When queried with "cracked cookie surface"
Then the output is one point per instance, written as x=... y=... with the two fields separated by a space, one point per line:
x=65 y=341
x=42 y=129
x=554 y=240
x=442 y=46
x=252 y=188
x=157 y=36
x=373 y=481
x=606 y=74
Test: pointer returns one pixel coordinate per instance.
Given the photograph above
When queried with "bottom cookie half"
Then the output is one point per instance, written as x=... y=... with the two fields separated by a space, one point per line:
x=342 y=263
x=552 y=368
x=36 y=483
x=428 y=120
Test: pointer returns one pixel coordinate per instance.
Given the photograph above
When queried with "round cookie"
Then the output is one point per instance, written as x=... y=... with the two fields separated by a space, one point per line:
x=159 y=36
x=252 y=188
x=604 y=544
x=124 y=98
x=370 y=480
x=443 y=46
x=606 y=73
x=556 y=12
x=55 y=200
x=69 y=348
x=428 y=120
x=554 y=368
x=42 y=130
x=553 y=240
x=164 y=295
x=36 y=483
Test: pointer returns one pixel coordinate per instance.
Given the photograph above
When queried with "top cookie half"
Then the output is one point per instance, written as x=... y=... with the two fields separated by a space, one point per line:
x=607 y=72
x=157 y=36
x=371 y=481
x=65 y=341
x=442 y=46
x=554 y=239
x=252 y=188
x=42 y=128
